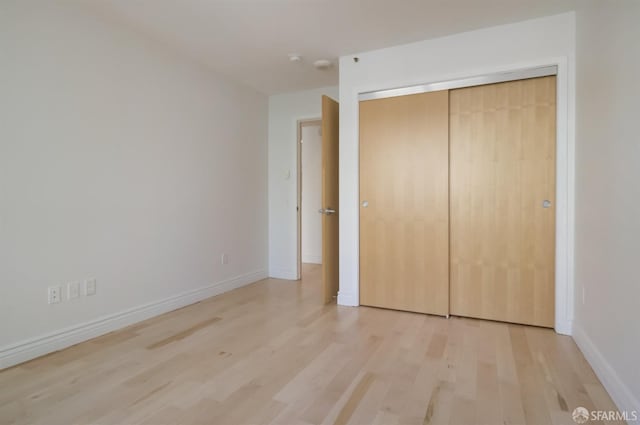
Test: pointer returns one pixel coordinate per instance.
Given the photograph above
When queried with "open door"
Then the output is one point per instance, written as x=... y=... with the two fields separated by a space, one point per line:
x=329 y=208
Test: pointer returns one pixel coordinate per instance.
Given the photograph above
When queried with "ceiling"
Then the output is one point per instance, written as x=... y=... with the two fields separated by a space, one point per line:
x=248 y=40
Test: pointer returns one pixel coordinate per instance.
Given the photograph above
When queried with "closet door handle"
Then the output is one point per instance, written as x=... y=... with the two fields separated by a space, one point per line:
x=326 y=211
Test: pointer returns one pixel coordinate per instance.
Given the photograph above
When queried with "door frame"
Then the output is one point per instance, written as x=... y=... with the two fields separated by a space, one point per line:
x=565 y=184
x=300 y=123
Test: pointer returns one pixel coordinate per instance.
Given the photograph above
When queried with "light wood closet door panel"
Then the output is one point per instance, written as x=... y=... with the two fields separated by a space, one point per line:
x=502 y=159
x=404 y=230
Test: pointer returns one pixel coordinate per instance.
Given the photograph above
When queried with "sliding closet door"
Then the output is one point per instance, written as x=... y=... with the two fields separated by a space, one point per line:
x=404 y=203
x=502 y=158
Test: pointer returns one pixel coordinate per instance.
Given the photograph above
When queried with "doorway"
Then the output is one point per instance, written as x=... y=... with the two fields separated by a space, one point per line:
x=309 y=142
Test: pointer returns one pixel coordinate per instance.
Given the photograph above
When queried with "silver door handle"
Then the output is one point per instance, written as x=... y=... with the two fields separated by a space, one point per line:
x=326 y=211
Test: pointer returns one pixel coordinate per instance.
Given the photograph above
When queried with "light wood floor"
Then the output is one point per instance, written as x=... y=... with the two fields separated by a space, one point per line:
x=271 y=353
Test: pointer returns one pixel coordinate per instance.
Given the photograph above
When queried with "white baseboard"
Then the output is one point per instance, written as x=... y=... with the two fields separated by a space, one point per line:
x=348 y=299
x=312 y=259
x=617 y=389
x=278 y=273
x=63 y=338
x=564 y=327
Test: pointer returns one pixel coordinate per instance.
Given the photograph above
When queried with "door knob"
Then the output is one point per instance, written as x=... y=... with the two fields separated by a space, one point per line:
x=326 y=211
x=546 y=203
x=365 y=204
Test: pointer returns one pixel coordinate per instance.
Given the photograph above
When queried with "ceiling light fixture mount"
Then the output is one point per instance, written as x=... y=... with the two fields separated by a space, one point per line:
x=322 y=64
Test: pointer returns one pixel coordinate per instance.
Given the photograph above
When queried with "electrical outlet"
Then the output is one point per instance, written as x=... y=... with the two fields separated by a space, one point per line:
x=55 y=294
x=90 y=287
x=224 y=259
x=73 y=290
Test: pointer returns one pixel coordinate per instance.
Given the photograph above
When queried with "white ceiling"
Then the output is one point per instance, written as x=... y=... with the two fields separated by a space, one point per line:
x=248 y=40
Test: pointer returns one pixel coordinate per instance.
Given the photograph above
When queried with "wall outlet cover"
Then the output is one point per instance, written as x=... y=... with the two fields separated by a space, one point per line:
x=90 y=286
x=55 y=294
x=73 y=290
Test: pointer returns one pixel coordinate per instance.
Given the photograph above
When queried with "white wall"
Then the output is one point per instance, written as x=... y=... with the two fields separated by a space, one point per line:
x=121 y=161
x=608 y=195
x=526 y=44
x=311 y=167
x=284 y=112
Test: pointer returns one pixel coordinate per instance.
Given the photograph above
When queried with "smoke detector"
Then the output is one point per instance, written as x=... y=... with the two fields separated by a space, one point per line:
x=294 y=57
x=322 y=64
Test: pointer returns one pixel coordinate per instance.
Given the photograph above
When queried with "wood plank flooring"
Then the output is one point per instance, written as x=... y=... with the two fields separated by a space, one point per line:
x=272 y=353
